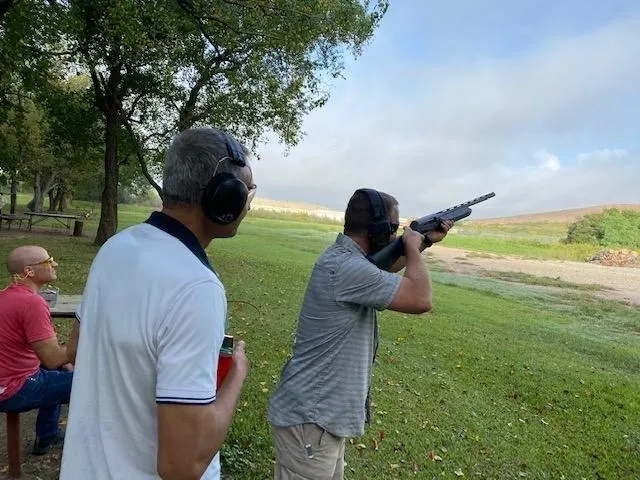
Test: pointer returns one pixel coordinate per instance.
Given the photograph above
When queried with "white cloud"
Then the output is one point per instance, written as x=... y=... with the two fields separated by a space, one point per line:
x=438 y=135
x=602 y=156
x=547 y=160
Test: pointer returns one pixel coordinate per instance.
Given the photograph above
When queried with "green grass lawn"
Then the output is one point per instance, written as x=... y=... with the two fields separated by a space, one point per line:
x=501 y=380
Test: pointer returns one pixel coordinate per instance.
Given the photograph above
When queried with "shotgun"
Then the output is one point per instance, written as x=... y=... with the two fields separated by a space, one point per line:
x=387 y=256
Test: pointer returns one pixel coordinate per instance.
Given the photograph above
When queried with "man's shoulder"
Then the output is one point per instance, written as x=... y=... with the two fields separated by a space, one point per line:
x=201 y=292
x=338 y=250
x=126 y=235
x=155 y=250
x=23 y=298
x=340 y=258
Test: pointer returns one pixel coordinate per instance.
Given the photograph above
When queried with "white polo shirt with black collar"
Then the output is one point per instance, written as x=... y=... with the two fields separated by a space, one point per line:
x=152 y=322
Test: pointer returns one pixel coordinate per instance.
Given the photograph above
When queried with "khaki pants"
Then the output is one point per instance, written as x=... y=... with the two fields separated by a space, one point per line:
x=307 y=452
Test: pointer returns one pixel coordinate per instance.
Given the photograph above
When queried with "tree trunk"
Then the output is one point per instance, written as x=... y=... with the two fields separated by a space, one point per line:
x=65 y=201
x=57 y=201
x=14 y=193
x=37 y=202
x=109 y=209
x=40 y=189
x=53 y=198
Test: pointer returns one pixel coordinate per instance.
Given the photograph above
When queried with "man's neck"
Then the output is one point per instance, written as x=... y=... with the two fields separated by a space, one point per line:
x=193 y=222
x=34 y=287
x=363 y=242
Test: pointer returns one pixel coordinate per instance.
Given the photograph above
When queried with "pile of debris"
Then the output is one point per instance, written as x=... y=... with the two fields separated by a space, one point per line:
x=618 y=258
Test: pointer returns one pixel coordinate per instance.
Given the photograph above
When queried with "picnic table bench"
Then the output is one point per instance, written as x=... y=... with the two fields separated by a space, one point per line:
x=61 y=218
x=9 y=218
x=66 y=306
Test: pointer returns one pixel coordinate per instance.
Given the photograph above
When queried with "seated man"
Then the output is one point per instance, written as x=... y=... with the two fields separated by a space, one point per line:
x=30 y=354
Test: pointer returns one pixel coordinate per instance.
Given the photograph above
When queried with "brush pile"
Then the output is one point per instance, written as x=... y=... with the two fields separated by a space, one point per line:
x=617 y=258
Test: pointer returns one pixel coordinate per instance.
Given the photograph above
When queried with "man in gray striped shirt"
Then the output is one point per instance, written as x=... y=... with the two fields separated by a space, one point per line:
x=322 y=396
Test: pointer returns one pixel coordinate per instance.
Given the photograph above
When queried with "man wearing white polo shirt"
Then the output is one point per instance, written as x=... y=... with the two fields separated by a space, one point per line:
x=144 y=402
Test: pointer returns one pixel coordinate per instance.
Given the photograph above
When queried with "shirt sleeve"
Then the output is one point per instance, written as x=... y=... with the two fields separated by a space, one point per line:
x=360 y=281
x=188 y=345
x=36 y=320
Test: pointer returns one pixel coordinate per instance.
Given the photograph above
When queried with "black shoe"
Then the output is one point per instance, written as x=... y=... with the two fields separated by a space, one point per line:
x=42 y=445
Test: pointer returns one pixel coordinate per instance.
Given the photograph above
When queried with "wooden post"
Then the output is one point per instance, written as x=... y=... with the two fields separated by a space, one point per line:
x=77 y=228
x=14 y=445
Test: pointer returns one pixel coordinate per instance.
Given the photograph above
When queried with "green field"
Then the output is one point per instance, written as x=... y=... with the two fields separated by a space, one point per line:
x=501 y=380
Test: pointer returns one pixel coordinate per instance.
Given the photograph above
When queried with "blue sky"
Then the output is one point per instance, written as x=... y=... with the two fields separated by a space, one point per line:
x=538 y=101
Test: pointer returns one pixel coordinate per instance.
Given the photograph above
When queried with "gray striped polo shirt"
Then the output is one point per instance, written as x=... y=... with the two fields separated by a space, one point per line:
x=326 y=381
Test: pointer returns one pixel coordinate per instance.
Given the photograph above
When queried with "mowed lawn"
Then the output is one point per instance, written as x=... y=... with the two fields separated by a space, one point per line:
x=499 y=381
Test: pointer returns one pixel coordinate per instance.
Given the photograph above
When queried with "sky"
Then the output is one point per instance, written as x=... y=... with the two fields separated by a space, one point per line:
x=535 y=100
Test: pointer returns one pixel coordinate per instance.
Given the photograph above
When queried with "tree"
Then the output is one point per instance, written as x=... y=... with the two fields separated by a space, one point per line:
x=74 y=135
x=248 y=66
x=26 y=154
x=23 y=67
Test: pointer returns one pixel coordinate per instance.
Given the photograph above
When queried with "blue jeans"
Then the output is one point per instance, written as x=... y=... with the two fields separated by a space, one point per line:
x=45 y=390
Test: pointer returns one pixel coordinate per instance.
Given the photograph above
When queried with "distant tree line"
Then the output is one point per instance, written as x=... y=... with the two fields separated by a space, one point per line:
x=611 y=228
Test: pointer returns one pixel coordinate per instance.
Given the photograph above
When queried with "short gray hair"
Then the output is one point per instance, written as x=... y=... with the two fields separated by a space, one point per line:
x=191 y=159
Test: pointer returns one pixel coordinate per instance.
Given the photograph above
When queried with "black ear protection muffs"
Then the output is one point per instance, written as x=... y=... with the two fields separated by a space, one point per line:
x=225 y=195
x=379 y=228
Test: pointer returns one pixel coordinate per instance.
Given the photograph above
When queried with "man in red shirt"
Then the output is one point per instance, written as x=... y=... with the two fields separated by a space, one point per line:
x=35 y=371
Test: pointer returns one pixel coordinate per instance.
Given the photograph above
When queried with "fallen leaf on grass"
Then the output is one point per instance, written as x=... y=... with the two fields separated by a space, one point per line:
x=434 y=457
x=459 y=473
x=360 y=447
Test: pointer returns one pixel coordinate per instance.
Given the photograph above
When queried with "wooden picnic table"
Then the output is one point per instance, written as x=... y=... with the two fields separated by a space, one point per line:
x=61 y=218
x=66 y=306
x=9 y=218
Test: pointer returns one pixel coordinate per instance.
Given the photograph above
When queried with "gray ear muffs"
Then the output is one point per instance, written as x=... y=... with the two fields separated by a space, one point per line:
x=225 y=195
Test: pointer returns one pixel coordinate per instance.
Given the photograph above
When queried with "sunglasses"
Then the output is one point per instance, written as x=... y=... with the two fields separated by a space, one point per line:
x=49 y=261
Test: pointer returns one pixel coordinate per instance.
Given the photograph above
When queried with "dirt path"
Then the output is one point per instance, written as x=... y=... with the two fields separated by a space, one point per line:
x=623 y=283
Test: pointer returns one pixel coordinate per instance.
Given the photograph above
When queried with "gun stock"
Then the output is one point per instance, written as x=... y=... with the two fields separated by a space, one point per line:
x=387 y=256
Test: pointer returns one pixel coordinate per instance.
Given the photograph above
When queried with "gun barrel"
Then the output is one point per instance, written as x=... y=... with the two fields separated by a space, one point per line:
x=445 y=214
x=475 y=201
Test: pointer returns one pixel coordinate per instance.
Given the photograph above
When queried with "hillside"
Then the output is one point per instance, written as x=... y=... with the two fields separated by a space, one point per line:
x=267 y=203
x=296 y=207
x=556 y=216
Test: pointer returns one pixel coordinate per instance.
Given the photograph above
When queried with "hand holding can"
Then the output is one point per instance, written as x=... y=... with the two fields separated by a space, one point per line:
x=225 y=359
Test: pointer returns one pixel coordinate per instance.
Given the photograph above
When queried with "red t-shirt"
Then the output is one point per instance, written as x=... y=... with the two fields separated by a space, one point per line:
x=24 y=318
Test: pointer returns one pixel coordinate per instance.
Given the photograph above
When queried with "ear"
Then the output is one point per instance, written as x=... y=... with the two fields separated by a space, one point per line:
x=28 y=272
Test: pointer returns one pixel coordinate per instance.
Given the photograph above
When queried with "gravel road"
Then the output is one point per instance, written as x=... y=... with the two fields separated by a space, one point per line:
x=623 y=282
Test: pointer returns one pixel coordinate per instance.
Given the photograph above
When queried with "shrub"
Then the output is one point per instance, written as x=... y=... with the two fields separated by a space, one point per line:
x=611 y=228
